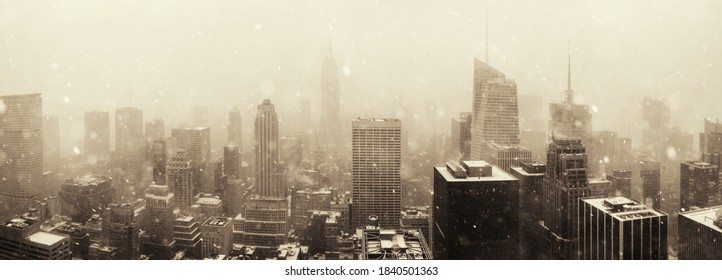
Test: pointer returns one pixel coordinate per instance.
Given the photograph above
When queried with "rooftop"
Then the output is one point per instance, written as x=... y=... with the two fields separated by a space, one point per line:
x=497 y=174
x=88 y=180
x=217 y=221
x=19 y=223
x=623 y=208
x=705 y=216
x=45 y=238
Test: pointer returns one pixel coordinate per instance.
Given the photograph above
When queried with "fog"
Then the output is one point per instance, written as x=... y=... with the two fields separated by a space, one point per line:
x=396 y=58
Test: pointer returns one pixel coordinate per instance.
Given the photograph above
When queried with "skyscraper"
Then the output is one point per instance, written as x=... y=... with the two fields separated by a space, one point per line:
x=649 y=171
x=268 y=160
x=232 y=161
x=461 y=135
x=180 y=178
x=475 y=212
x=710 y=141
x=162 y=150
x=129 y=139
x=621 y=182
x=158 y=239
x=376 y=170
x=264 y=224
x=82 y=197
x=235 y=128
x=531 y=208
x=618 y=228
x=154 y=129
x=51 y=143
x=570 y=120
x=121 y=230
x=564 y=184
x=495 y=112
x=655 y=120
x=217 y=236
x=97 y=134
x=699 y=231
x=21 y=152
x=699 y=185
x=196 y=141
x=330 y=102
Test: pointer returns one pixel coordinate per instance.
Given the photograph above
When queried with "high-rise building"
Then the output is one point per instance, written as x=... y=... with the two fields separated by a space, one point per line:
x=330 y=100
x=21 y=239
x=161 y=152
x=495 y=112
x=51 y=143
x=618 y=228
x=699 y=185
x=122 y=231
x=531 y=113
x=187 y=236
x=506 y=156
x=564 y=184
x=268 y=159
x=97 y=135
x=376 y=169
x=655 y=129
x=158 y=239
x=475 y=212
x=699 y=231
x=531 y=208
x=217 y=235
x=394 y=244
x=649 y=172
x=129 y=139
x=21 y=163
x=710 y=141
x=235 y=128
x=180 y=178
x=154 y=129
x=461 y=135
x=305 y=116
x=416 y=219
x=196 y=141
x=304 y=202
x=264 y=224
x=232 y=161
x=621 y=182
x=82 y=197
x=568 y=119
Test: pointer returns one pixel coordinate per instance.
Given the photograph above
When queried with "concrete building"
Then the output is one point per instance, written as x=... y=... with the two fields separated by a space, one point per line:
x=217 y=236
x=656 y=128
x=618 y=228
x=82 y=197
x=96 y=135
x=531 y=208
x=475 y=212
x=121 y=230
x=699 y=231
x=232 y=161
x=187 y=236
x=506 y=156
x=568 y=119
x=129 y=138
x=649 y=172
x=330 y=101
x=51 y=143
x=460 y=142
x=180 y=178
x=376 y=169
x=621 y=182
x=699 y=185
x=304 y=203
x=158 y=242
x=163 y=148
x=414 y=218
x=21 y=135
x=196 y=141
x=21 y=239
x=235 y=128
x=264 y=224
x=154 y=129
x=268 y=160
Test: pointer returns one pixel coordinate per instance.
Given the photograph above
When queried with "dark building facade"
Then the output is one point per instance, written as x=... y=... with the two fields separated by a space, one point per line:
x=699 y=185
x=531 y=207
x=699 y=231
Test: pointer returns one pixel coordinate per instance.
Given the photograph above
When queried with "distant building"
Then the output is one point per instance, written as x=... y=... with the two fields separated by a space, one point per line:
x=235 y=128
x=217 y=236
x=413 y=218
x=330 y=101
x=649 y=171
x=621 y=182
x=154 y=129
x=568 y=119
x=51 y=143
x=21 y=239
x=180 y=178
x=655 y=118
x=268 y=160
x=82 y=197
x=699 y=231
x=461 y=135
x=122 y=231
x=232 y=161
x=304 y=202
x=196 y=141
x=264 y=224
x=129 y=139
x=506 y=156
x=79 y=240
x=618 y=228
x=97 y=135
x=376 y=169
x=163 y=148
x=475 y=212
x=600 y=187
x=158 y=242
x=699 y=185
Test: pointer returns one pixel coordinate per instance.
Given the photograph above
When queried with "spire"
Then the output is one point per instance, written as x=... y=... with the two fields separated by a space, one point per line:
x=569 y=93
x=486 y=40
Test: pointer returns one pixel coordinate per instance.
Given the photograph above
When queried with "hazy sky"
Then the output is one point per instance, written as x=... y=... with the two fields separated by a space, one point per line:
x=165 y=56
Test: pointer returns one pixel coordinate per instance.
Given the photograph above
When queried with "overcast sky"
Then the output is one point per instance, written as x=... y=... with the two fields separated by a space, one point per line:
x=165 y=56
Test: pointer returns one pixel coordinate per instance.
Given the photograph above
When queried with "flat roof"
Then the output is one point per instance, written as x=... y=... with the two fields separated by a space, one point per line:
x=523 y=172
x=705 y=216
x=45 y=238
x=638 y=211
x=217 y=221
x=497 y=174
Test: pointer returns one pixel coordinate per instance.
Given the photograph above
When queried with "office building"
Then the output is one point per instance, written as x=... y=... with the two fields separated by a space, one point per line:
x=618 y=228
x=414 y=218
x=475 y=212
x=232 y=161
x=568 y=119
x=506 y=156
x=565 y=184
x=699 y=231
x=621 y=182
x=531 y=207
x=97 y=135
x=655 y=126
x=495 y=111
x=122 y=231
x=699 y=185
x=187 y=236
x=180 y=178
x=376 y=169
x=268 y=160
x=304 y=202
x=163 y=148
x=235 y=128
x=129 y=139
x=196 y=141
x=82 y=197
x=21 y=135
x=21 y=239
x=649 y=172
x=217 y=235
x=460 y=142
x=154 y=129
x=264 y=224
x=51 y=143
x=158 y=239
x=330 y=125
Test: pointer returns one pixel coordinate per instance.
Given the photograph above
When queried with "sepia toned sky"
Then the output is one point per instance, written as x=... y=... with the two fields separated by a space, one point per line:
x=396 y=58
